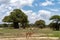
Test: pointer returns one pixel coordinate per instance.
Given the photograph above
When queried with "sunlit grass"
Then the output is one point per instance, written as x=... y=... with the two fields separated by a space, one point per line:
x=21 y=32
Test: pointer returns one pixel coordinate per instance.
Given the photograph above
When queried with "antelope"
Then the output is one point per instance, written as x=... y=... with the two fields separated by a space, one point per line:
x=29 y=34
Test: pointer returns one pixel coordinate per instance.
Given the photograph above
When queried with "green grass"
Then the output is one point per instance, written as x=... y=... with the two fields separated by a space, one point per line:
x=56 y=33
x=21 y=32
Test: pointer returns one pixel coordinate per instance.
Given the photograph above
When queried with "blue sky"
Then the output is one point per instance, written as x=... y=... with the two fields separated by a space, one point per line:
x=34 y=9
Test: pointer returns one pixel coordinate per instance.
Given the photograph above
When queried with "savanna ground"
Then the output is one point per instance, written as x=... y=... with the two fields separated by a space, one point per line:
x=20 y=34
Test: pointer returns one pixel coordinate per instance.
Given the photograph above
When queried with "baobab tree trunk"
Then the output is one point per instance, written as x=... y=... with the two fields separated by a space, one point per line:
x=15 y=24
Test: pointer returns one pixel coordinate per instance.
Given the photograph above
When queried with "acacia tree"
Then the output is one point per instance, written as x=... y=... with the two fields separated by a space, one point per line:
x=16 y=17
x=40 y=23
x=55 y=21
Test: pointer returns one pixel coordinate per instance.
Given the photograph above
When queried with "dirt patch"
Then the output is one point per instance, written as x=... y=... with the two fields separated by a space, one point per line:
x=32 y=38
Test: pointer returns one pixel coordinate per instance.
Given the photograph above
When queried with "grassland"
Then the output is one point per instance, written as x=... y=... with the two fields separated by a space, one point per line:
x=37 y=32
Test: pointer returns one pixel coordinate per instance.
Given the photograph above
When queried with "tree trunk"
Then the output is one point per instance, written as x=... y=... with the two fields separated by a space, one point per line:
x=23 y=25
x=57 y=26
x=15 y=24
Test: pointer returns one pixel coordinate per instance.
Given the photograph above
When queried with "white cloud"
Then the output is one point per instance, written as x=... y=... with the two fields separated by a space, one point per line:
x=47 y=3
x=13 y=1
x=2 y=7
x=4 y=11
x=22 y=2
x=55 y=10
x=8 y=4
x=31 y=16
x=42 y=14
x=4 y=1
x=45 y=12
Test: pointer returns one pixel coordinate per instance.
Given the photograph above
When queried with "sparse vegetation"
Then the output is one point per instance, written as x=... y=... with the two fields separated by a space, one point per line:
x=18 y=26
x=45 y=32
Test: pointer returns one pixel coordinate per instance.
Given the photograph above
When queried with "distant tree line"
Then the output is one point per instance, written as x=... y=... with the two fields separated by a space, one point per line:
x=18 y=19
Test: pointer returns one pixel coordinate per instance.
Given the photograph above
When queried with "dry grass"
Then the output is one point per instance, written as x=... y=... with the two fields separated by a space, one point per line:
x=20 y=34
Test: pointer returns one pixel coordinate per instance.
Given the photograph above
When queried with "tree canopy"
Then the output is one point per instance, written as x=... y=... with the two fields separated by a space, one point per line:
x=40 y=23
x=17 y=16
x=56 y=20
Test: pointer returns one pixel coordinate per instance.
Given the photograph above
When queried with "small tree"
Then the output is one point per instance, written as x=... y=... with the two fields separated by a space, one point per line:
x=40 y=23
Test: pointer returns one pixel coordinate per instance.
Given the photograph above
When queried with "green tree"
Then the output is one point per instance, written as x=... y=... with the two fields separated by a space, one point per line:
x=16 y=17
x=40 y=23
x=55 y=21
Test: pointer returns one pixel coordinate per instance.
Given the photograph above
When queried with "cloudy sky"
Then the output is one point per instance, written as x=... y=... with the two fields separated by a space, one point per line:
x=35 y=9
